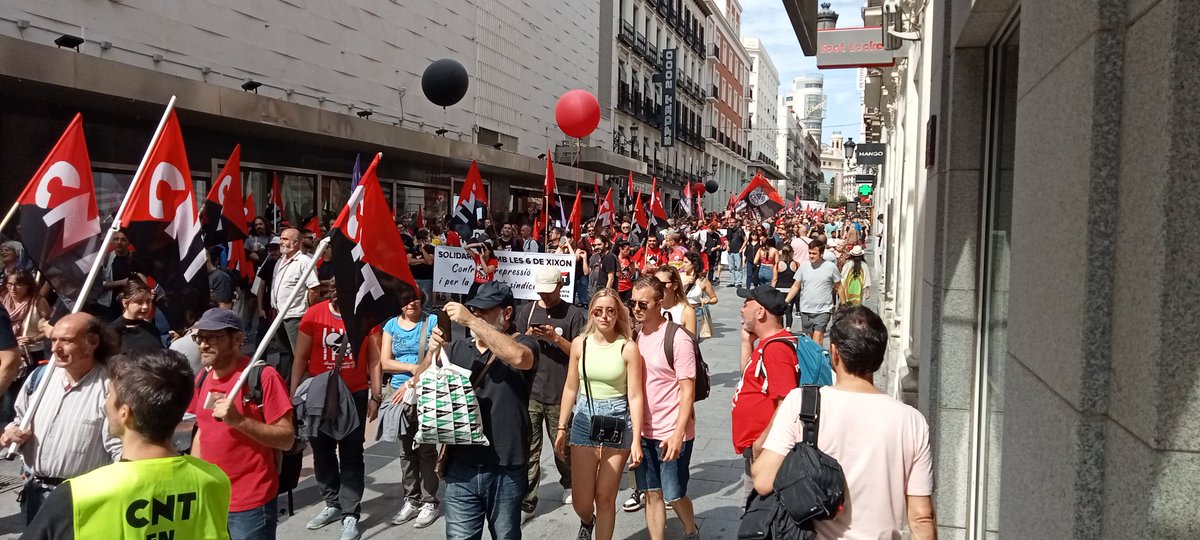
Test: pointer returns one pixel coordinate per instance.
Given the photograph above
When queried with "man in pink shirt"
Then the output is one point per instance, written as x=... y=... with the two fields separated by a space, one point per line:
x=881 y=443
x=668 y=426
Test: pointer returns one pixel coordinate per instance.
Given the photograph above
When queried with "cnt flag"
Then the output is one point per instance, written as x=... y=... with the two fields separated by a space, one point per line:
x=576 y=219
x=222 y=222
x=657 y=214
x=551 y=192
x=60 y=224
x=687 y=198
x=161 y=223
x=640 y=223
x=472 y=201
x=760 y=195
x=606 y=212
x=250 y=214
x=274 y=209
x=369 y=262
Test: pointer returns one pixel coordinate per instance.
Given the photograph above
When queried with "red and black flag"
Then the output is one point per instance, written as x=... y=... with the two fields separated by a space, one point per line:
x=273 y=213
x=369 y=262
x=314 y=226
x=760 y=195
x=641 y=225
x=576 y=218
x=224 y=216
x=60 y=224
x=250 y=213
x=553 y=206
x=606 y=212
x=162 y=225
x=472 y=201
x=657 y=215
x=687 y=198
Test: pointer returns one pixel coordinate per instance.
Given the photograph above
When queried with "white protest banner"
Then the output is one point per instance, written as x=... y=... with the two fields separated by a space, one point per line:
x=453 y=270
x=518 y=268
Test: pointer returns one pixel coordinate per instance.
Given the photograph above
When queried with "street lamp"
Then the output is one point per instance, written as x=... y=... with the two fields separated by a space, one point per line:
x=849 y=146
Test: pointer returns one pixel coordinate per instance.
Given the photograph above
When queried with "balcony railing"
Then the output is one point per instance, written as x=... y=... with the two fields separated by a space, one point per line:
x=639 y=44
x=627 y=33
x=652 y=53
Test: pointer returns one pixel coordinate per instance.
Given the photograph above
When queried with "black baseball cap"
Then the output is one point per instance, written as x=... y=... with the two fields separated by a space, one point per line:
x=490 y=295
x=769 y=297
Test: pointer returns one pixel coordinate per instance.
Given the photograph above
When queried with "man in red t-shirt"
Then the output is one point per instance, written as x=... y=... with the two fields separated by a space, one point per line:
x=767 y=375
x=239 y=435
x=676 y=253
x=649 y=257
x=338 y=465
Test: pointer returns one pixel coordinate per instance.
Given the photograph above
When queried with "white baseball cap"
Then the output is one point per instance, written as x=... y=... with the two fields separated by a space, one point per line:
x=547 y=279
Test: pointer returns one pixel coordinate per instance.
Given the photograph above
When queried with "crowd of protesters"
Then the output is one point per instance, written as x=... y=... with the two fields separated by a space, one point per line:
x=593 y=376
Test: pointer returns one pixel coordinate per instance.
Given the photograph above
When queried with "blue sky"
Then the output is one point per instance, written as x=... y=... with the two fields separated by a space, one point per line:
x=768 y=21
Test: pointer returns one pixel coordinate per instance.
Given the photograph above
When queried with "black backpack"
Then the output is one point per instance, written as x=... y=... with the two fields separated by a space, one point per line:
x=810 y=485
x=703 y=380
x=290 y=462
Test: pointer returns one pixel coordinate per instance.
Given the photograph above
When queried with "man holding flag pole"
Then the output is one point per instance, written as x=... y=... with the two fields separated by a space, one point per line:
x=61 y=223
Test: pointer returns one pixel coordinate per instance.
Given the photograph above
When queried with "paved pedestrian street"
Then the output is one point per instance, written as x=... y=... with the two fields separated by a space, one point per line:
x=715 y=474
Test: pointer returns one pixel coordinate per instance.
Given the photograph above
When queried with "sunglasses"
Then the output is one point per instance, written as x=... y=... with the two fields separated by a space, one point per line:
x=639 y=304
x=208 y=338
x=606 y=313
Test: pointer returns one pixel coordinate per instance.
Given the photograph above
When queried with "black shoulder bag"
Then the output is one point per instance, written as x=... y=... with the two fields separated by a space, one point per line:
x=810 y=485
x=602 y=429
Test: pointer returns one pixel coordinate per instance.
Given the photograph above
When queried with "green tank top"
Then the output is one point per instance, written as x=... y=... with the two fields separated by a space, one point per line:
x=605 y=369
x=181 y=497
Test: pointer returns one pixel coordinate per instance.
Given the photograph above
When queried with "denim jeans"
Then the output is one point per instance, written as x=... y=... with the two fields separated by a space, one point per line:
x=478 y=492
x=735 y=268
x=33 y=496
x=255 y=523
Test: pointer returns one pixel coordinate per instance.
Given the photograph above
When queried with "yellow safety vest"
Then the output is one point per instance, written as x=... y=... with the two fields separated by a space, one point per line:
x=180 y=498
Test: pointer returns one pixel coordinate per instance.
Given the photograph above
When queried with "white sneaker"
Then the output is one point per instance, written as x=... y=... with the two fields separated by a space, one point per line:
x=327 y=516
x=406 y=514
x=350 y=528
x=429 y=514
x=567 y=498
x=526 y=516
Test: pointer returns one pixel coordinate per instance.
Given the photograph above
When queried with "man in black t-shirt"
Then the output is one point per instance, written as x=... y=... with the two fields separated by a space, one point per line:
x=487 y=483
x=220 y=284
x=555 y=324
x=736 y=238
x=602 y=265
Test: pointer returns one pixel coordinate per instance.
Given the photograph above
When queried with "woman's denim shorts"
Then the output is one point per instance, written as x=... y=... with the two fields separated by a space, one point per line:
x=581 y=422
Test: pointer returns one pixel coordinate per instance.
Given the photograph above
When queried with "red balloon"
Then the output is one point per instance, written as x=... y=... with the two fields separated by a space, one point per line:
x=698 y=189
x=577 y=113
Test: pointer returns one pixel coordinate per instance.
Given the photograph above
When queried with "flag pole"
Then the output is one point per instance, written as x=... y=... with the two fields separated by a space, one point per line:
x=8 y=217
x=84 y=291
x=278 y=321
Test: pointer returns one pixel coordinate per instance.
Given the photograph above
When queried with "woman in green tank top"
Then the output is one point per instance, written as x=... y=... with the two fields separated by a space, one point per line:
x=604 y=379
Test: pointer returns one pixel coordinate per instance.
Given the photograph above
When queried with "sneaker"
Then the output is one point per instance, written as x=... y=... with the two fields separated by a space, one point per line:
x=585 y=531
x=634 y=502
x=327 y=516
x=668 y=507
x=350 y=528
x=693 y=535
x=406 y=514
x=526 y=515
x=567 y=498
x=429 y=514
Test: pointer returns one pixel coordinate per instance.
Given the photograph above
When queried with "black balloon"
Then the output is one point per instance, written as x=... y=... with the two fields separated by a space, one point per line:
x=711 y=186
x=445 y=82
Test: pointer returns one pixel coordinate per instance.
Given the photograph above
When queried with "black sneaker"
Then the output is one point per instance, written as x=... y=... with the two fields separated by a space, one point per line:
x=635 y=502
x=585 y=530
